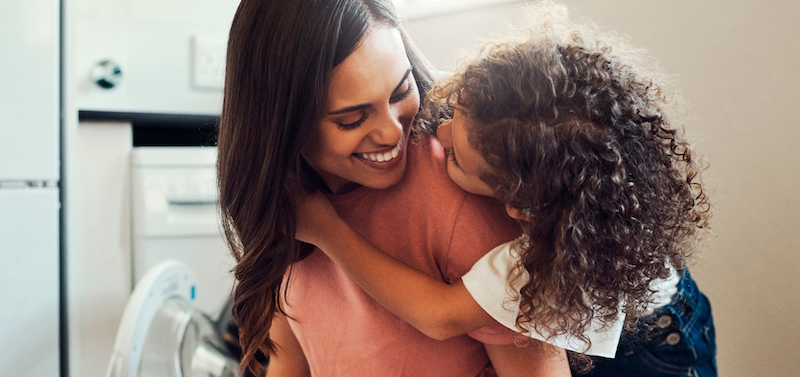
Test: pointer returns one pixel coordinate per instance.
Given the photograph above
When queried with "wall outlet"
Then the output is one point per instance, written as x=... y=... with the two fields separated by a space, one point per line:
x=208 y=62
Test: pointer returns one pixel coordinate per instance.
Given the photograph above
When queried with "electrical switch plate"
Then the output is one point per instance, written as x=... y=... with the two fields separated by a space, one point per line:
x=208 y=63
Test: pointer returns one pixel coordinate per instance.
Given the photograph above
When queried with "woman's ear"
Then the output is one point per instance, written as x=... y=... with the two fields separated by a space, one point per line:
x=523 y=214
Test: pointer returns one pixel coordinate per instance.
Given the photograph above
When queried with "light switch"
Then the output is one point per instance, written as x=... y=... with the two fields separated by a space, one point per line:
x=208 y=71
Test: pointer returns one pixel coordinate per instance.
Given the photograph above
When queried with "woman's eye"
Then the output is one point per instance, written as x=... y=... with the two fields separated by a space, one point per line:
x=404 y=94
x=354 y=125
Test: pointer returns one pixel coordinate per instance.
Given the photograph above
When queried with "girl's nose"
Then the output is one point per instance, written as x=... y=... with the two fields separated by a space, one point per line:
x=443 y=133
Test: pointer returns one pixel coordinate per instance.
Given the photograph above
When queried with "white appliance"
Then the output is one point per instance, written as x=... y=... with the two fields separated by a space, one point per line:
x=174 y=199
x=163 y=335
x=29 y=188
x=29 y=193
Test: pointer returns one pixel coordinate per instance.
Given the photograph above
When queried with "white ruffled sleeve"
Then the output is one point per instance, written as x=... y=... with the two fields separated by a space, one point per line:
x=487 y=283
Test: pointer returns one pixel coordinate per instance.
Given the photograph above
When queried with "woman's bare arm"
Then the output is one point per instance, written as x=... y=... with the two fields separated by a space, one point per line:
x=533 y=359
x=437 y=309
x=288 y=358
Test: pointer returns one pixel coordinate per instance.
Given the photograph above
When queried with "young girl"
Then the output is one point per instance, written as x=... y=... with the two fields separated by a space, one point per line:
x=566 y=127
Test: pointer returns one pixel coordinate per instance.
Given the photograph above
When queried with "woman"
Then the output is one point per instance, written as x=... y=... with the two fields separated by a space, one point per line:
x=322 y=95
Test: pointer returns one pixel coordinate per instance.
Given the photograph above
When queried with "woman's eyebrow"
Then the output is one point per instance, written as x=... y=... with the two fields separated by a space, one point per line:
x=350 y=109
x=408 y=72
x=365 y=105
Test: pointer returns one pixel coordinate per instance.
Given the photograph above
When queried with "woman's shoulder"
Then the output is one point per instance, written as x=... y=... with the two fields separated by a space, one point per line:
x=425 y=185
x=427 y=163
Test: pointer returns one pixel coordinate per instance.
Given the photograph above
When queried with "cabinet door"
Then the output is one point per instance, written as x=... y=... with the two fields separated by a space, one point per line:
x=29 y=79
x=29 y=282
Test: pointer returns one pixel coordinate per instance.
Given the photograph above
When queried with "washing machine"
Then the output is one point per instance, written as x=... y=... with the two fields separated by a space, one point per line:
x=175 y=319
x=175 y=216
x=163 y=334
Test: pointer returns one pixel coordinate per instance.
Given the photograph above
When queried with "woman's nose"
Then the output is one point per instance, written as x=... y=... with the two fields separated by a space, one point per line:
x=443 y=133
x=388 y=131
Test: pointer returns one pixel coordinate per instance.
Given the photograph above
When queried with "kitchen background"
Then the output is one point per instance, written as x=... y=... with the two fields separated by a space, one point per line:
x=735 y=63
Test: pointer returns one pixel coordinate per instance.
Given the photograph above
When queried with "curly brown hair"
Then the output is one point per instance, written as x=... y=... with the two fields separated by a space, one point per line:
x=574 y=129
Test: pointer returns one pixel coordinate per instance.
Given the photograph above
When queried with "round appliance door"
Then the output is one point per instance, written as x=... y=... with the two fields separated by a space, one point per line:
x=183 y=342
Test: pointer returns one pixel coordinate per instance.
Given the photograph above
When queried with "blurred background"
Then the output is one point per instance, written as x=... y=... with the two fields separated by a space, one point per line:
x=735 y=63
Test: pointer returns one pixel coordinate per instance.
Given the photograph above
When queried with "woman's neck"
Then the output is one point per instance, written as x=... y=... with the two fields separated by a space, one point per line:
x=344 y=188
x=337 y=185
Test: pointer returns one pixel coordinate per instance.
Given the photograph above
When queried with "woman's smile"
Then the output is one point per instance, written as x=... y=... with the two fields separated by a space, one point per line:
x=381 y=157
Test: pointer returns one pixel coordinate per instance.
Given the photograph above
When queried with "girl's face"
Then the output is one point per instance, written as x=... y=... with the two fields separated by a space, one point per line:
x=372 y=101
x=465 y=165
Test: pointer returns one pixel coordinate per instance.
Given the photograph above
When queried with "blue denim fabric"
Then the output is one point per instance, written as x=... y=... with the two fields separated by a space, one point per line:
x=683 y=345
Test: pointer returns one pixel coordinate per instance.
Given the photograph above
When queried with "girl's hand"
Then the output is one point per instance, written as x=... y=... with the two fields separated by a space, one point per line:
x=315 y=216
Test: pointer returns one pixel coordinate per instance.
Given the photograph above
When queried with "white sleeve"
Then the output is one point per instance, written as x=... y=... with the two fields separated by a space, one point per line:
x=487 y=283
x=665 y=290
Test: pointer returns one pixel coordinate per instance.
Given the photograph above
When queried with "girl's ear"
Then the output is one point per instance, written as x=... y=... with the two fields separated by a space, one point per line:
x=523 y=214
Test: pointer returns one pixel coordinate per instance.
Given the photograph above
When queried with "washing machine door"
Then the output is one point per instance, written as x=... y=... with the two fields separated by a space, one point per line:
x=163 y=335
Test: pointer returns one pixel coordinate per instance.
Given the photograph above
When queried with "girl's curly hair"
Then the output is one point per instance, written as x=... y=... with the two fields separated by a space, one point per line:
x=574 y=128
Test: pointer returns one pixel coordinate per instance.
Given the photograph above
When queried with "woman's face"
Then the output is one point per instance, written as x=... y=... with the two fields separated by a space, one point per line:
x=465 y=165
x=372 y=101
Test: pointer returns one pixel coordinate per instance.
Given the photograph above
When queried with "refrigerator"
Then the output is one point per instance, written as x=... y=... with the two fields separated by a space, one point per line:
x=29 y=188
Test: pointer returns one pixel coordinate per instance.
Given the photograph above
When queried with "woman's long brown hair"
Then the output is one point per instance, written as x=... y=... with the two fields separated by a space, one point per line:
x=280 y=58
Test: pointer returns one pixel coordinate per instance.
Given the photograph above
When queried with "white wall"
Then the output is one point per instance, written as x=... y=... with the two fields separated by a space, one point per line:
x=736 y=63
x=445 y=38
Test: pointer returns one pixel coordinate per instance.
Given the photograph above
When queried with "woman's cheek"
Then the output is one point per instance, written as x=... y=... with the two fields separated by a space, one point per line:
x=342 y=142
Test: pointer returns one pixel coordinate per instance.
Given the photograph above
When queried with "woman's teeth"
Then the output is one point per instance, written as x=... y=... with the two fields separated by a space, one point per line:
x=381 y=157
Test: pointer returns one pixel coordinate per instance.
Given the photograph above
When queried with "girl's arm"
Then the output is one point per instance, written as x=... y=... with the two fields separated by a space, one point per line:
x=437 y=309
